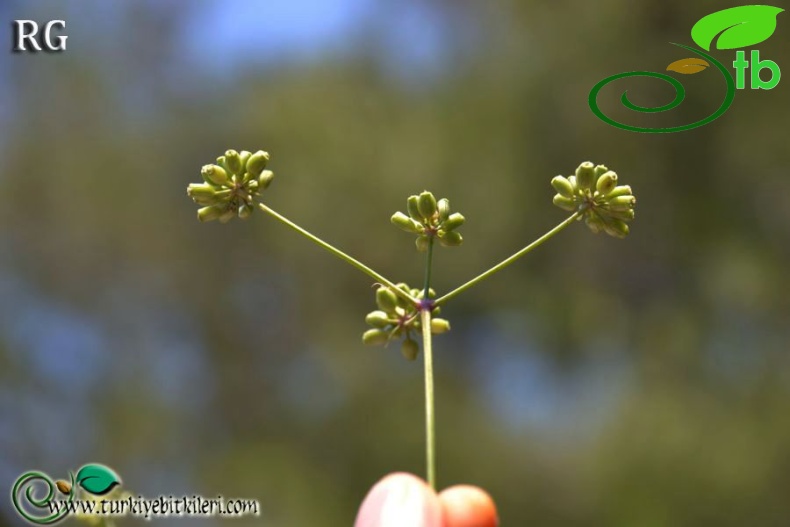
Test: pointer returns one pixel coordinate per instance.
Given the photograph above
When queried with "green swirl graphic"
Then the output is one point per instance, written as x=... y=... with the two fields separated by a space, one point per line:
x=680 y=94
x=29 y=478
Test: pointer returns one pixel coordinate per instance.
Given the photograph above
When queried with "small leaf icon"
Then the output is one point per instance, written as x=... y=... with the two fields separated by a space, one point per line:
x=97 y=479
x=63 y=486
x=739 y=27
x=688 y=66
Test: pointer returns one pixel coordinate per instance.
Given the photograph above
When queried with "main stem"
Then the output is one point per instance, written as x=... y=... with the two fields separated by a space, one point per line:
x=430 y=432
x=337 y=252
x=428 y=266
x=425 y=322
x=504 y=263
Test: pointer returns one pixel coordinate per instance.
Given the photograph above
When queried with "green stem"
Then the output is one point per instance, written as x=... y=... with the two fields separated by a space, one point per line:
x=428 y=266
x=427 y=345
x=503 y=264
x=337 y=252
x=430 y=433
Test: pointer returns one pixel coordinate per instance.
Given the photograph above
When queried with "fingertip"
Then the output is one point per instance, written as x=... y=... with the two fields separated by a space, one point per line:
x=400 y=499
x=468 y=506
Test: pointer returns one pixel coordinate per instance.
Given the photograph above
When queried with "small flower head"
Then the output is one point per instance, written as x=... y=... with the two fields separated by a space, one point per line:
x=396 y=318
x=594 y=193
x=430 y=219
x=231 y=186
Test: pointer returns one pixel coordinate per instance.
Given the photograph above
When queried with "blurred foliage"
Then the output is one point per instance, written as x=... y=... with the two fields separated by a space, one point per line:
x=226 y=358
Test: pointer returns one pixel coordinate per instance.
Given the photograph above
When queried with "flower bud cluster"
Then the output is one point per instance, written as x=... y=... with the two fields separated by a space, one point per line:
x=594 y=193
x=396 y=317
x=230 y=187
x=429 y=219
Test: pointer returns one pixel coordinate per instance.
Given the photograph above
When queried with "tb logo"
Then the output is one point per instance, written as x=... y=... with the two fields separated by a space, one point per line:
x=733 y=28
x=28 y=38
x=741 y=64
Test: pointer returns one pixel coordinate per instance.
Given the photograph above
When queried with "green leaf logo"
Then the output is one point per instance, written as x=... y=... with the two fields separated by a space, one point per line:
x=97 y=479
x=739 y=27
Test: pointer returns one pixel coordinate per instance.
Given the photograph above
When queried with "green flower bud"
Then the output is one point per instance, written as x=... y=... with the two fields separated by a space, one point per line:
x=203 y=193
x=443 y=206
x=563 y=186
x=245 y=211
x=455 y=220
x=420 y=293
x=625 y=215
x=201 y=189
x=409 y=349
x=375 y=337
x=377 y=319
x=610 y=210
x=233 y=160
x=615 y=227
x=426 y=205
x=228 y=215
x=606 y=183
x=439 y=326
x=207 y=201
x=399 y=219
x=622 y=202
x=422 y=242
x=204 y=199
x=451 y=239
x=211 y=213
x=564 y=203
x=595 y=223
x=622 y=190
x=386 y=300
x=600 y=170
x=265 y=179
x=412 y=208
x=404 y=304
x=257 y=162
x=215 y=175
x=403 y=286
x=244 y=156
x=585 y=175
x=221 y=162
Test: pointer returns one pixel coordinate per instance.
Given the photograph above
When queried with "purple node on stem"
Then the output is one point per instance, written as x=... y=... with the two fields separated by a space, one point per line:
x=426 y=304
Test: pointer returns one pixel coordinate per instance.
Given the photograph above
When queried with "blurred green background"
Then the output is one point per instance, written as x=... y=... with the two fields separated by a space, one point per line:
x=598 y=382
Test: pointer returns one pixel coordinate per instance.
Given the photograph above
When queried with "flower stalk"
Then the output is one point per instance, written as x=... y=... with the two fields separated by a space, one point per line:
x=507 y=261
x=337 y=252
